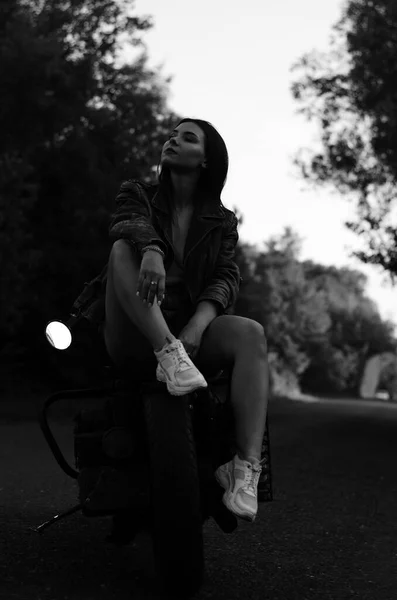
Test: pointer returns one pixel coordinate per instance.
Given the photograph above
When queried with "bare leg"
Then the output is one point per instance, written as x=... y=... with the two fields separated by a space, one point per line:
x=123 y=276
x=250 y=388
x=239 y=343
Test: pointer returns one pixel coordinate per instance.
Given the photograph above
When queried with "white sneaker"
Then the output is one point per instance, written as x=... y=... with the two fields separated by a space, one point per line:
x=240 y=479
x=176 y=369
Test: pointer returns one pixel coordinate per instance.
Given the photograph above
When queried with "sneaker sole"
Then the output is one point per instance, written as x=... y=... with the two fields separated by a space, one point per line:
x=224 y=481
x=178 y=391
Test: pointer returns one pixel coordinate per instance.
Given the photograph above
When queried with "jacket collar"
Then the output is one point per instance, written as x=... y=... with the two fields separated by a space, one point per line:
x=204 y=209
x=205 y=218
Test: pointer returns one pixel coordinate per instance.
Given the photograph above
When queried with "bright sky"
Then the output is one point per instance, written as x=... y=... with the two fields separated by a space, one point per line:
x=230 y=63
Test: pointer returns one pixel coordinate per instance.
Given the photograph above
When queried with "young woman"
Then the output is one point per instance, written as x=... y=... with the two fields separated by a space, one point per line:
x=171 y=283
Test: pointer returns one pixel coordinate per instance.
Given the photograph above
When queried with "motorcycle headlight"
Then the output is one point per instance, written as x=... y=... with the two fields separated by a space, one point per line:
x=59 y=334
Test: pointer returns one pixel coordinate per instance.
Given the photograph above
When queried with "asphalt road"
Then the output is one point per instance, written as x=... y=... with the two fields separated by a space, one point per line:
x=330 y=532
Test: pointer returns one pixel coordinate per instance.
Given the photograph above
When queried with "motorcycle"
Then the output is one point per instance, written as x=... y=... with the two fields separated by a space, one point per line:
x=147 y=459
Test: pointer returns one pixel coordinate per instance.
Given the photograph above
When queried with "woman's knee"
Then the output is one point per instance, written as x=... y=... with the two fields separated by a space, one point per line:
x=252 y=335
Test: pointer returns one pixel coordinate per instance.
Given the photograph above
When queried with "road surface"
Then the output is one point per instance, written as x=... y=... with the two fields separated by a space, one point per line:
x=330 y=532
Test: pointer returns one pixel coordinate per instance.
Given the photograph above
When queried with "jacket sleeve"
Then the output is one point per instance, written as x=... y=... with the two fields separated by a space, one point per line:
x=132 y=219
x=224 y=284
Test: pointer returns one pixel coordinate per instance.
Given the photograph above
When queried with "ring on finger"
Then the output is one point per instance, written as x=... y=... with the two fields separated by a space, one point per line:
x=153 y=283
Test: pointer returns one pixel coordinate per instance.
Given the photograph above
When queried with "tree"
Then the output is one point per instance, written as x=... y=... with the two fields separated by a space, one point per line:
x=75 y=123
x=356 y=330
x=351 y=93
x=319 y=323
x=277 y=295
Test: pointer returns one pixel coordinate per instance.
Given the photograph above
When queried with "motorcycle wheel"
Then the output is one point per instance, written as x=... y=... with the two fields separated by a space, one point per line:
x=175 y=493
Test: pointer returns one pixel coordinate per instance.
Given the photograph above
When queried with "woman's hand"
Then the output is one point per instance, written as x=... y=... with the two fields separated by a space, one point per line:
x=151 y=281
x=191 y=336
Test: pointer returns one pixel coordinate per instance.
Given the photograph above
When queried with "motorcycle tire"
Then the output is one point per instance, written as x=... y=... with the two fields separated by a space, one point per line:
x=175 y=493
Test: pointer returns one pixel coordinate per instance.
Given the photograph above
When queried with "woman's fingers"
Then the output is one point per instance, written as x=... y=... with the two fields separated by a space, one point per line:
x=149 y=286
x=151 y=281
x=148 y=289
x=152 y=291
x=160 y=290
x=145 y=289
x=139 y=289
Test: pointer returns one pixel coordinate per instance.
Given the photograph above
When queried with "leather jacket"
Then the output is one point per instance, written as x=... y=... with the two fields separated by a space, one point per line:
x=142 y=218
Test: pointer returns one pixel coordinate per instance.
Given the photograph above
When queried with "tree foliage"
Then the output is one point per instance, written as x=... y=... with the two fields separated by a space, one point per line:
x=75 y=122
x=351 y=93
x=318 y=320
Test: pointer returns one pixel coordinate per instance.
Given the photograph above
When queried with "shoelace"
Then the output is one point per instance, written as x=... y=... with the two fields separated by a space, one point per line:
x=252 y=478
x=181 y=360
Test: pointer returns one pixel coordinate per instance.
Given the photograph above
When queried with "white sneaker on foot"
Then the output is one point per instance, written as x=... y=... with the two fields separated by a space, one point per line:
x=176 y=369
x=240 y=478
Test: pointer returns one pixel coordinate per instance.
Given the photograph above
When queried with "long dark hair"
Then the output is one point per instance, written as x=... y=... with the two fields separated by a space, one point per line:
x=213 y=177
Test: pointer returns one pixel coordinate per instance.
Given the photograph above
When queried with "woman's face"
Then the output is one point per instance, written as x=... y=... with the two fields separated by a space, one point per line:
x=185 y=148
